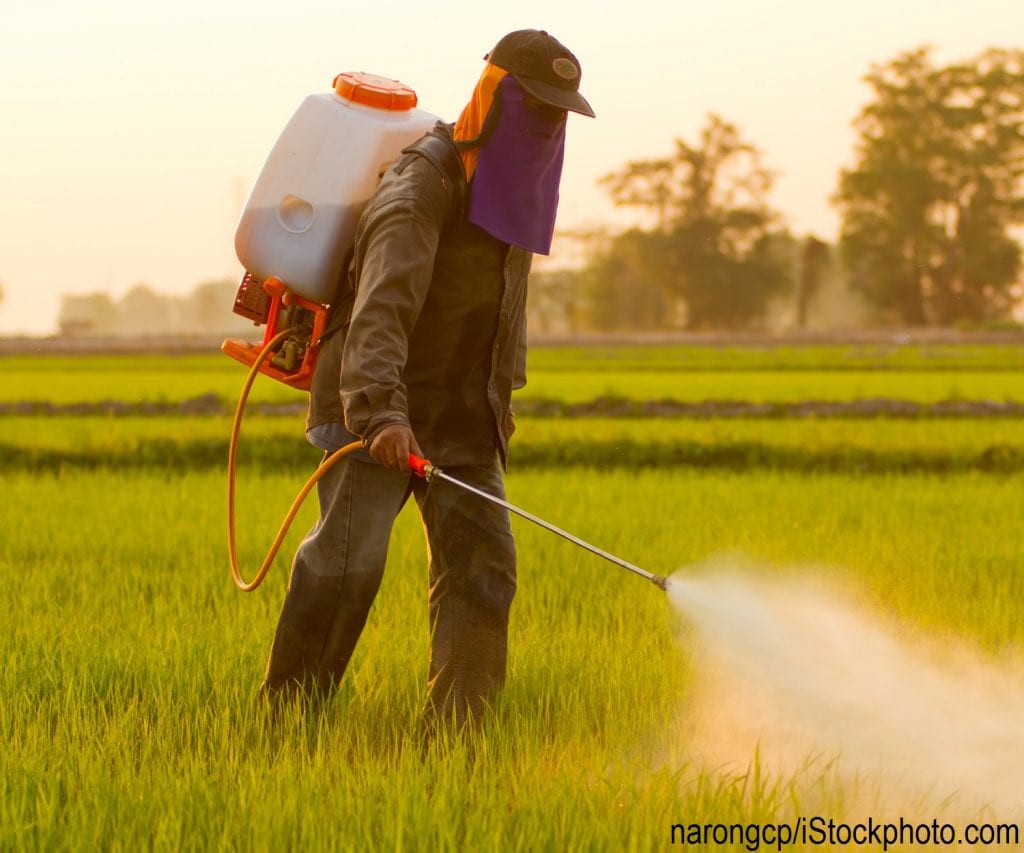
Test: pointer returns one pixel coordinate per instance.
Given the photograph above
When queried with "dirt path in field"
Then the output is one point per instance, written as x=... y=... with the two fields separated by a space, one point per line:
x=607 y=407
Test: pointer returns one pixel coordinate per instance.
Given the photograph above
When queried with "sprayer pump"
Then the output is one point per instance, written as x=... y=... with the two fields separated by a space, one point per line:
x=274 y=305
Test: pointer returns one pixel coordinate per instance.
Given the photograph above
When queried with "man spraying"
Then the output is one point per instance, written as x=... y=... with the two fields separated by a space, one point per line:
x=427 y=343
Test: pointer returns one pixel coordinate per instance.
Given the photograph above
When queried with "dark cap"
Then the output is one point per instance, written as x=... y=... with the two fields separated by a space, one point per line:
x=544 y=66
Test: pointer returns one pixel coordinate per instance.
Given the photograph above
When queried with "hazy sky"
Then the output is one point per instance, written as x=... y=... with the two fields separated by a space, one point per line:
x=131 y=132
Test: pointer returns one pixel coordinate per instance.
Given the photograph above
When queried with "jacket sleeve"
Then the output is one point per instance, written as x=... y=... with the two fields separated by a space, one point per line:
x=394 y=260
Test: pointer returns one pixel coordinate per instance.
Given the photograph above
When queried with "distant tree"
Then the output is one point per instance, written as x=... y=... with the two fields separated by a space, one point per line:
x=624 y=286
x=709 y=206
x=814 y=260
x=553 y=304
x=938 y=185
x=208 y=308
x=144 y=312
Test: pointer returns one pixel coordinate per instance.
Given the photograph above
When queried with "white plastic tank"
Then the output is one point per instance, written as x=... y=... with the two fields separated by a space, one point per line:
x=300 y=219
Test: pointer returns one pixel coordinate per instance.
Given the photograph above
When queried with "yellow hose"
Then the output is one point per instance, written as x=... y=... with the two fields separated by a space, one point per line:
x=326 y=465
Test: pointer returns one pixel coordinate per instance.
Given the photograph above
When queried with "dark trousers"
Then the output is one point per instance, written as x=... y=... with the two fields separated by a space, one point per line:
x=338 y=568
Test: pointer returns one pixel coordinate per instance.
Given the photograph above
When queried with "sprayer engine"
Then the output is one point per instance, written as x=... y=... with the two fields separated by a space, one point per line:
x=273 y=304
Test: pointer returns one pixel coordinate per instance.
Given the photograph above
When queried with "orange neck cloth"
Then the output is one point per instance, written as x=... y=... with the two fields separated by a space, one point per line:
x=471 y=122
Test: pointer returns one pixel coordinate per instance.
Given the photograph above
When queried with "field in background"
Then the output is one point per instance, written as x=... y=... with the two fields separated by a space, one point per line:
x=912 y=371
x=132 y=662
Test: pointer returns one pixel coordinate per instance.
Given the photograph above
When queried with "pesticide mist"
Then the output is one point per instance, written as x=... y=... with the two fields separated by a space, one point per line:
x=799 y=676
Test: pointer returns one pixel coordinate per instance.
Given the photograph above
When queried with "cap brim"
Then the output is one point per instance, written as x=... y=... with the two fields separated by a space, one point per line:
x=563 y=98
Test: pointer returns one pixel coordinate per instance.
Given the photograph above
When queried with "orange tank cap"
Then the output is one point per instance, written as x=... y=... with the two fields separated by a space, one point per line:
x=373 y=91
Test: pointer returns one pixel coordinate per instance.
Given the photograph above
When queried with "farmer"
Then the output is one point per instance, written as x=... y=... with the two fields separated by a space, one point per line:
x=430 y=341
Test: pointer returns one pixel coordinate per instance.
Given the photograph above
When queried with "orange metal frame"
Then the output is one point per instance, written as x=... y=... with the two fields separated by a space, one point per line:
x=247 y=353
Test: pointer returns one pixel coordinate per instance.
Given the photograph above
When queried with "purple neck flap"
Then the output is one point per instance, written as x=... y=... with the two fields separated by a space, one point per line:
x=514 y=193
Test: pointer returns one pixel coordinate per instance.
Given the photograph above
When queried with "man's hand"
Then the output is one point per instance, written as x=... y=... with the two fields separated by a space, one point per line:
x=392 y=445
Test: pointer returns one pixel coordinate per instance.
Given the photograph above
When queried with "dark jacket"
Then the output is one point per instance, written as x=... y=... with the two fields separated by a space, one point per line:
x=437 y=332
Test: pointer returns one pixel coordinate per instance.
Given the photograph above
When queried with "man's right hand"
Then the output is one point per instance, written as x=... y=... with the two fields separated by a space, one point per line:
x=392 y=445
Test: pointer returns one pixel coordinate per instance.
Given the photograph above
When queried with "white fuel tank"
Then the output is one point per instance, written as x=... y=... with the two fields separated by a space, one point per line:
x=300 y=219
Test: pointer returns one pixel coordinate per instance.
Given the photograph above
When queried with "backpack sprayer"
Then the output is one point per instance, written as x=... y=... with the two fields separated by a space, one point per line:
x=300 y=220
x=293 y=238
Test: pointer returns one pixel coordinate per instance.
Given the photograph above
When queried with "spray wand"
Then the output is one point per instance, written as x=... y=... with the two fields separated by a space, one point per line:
x=423 y=468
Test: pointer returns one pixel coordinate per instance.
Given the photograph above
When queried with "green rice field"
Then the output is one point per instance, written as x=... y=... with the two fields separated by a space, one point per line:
x=922 y=373
x=130 y=662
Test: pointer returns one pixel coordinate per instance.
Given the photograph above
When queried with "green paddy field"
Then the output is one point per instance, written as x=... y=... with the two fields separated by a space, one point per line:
x=130 y=661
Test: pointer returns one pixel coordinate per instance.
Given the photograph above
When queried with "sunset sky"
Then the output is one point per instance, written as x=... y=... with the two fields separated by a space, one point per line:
x=132 y=132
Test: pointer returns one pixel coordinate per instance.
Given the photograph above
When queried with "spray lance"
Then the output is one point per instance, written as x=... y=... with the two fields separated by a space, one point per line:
x=423 y=468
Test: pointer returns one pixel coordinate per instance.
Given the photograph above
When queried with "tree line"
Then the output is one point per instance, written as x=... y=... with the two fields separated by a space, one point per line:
x=931 y=218
x=928 y=213
x=143 y=312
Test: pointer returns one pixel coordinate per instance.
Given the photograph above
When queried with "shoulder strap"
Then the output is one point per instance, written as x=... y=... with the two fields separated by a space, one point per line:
x=438 y=148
